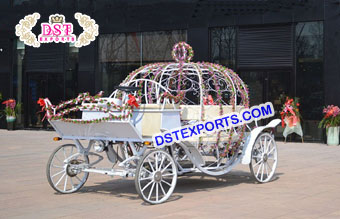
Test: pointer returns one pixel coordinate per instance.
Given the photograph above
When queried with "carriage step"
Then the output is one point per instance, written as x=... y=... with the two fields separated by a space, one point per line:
x=196 y=155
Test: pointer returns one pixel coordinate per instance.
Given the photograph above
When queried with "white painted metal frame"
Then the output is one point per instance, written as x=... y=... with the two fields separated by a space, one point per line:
x=197 y=81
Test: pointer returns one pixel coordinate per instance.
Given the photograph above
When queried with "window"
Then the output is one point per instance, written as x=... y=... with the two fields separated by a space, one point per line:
x=157 y=46
x=223 y=46
x=309 y=73
x=122 y=53
x=119 y=54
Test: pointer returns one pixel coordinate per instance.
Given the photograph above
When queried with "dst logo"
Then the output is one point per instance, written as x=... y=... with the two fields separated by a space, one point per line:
x=57 y=30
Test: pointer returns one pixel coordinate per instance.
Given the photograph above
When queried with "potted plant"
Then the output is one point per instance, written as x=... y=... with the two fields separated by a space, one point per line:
x=331 y=122
x=291 y=117
x=11 y=108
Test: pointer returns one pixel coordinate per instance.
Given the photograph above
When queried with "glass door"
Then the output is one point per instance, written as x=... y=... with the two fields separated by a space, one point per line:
x=256 y=84
x=41 y=85
x=278 y=85
x=268 y=86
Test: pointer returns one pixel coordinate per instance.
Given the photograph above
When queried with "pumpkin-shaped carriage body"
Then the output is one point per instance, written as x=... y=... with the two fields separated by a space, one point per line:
x=158 y=97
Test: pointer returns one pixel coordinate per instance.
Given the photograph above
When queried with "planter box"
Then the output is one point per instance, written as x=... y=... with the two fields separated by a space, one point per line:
x=333 y=136
x=10 y=126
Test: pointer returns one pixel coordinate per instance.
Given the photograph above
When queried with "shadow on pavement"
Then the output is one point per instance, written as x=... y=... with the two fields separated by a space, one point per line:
x=194 y=182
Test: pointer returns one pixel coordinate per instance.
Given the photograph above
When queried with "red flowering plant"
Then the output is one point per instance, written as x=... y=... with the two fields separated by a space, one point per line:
x=290 y=111
x=11 y=107
x=331 y=117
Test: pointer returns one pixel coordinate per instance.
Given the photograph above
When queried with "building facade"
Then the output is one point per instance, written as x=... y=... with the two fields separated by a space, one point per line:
x=278 y=47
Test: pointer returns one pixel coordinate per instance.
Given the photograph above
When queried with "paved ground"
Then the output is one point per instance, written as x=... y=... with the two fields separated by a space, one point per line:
x=307 y=185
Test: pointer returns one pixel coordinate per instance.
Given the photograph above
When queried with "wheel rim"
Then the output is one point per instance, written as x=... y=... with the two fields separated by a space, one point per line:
x=63 y=174
x=264 y=158
x=157 y=177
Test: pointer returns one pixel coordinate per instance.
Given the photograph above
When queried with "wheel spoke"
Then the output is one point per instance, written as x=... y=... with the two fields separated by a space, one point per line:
x=160 y=166
x=65 y=183
x=267 y=170
x=64 y=152
x=269 y=167
x=269 y=143
x=151 y=190
x=58 y=173
x=72 y=183
x=160 y=184
x=55 y=155
x=257 y=156
x=147 y=185
x=146 y=170
x=147 y=178
x=166 y=167
x=262 y=147
x=268 y=148
x=166 y=182
x=156 y=192
x=156 y=161
x=262 y=171
x=56 y=166
x=257 y=163
x=169 y=174
x=60 y=179
x=258 y=170
x=271 y=150
x=79 y=179
x=151 y=165
x=265 y=144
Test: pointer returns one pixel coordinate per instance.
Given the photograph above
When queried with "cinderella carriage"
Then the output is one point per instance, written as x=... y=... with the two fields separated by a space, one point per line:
x=152 y=99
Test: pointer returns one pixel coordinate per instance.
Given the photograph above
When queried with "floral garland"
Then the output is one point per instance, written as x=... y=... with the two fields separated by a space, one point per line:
x=204 y=89
x=219 y=97
x=244 y=93
x=179 y=81
x=179 y=97
x=110 y=107
x=182 y=52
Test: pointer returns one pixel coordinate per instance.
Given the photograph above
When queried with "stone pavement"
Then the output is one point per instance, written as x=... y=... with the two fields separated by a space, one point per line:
x=307 y=185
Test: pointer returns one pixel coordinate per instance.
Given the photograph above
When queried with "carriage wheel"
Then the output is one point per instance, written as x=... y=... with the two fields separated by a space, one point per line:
x=62 y=175
x=156 y=177
x=263 y=158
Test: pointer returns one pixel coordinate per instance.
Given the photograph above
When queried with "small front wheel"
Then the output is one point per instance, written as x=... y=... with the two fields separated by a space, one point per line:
x=156 y=176
x=263 y=158
x=64 y=171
